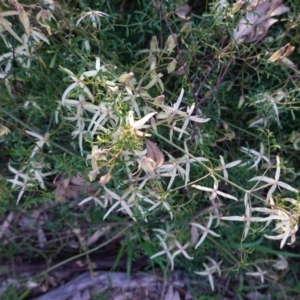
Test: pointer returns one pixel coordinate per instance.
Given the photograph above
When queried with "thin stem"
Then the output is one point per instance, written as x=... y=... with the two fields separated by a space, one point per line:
x=28 y=127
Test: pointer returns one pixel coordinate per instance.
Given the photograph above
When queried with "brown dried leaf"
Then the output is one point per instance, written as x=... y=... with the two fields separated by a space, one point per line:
x=70 y=188
x=155 y=154
x=253 y=3
x=171 y=294
x=171 y=43
x=237 y=6
x=78 y=180
x=97 y=234
x=3 y=130
x=194 y=235
x=181 y=70
x=281 y=53
x=41 y=238
x=183 y=11
x=4 y=227
x=256 y=23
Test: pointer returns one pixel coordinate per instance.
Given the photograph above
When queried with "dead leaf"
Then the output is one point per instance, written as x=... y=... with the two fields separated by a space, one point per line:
x=171 y=43
x=4 y=227
x=281 y=53
x=253 y=3
x=256 y=23
x=70 y=188
x=181 y=70
x=194 y=235
x=237 y=6
x=78 y=180
x=172 y=66
x=41 y=238
x=183 y=11
x=154 y=153
x=171 y=294
x=96 y=235
x=3 y=130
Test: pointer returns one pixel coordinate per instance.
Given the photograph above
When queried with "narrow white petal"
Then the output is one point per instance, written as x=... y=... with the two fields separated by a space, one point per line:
x=287 y=187
x=111 y=209
x=114 y=195
x=227 y=195
x=139 y=124
x=202 y=188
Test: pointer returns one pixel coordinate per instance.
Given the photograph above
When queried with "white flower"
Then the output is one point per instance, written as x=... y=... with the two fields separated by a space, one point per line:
x=274 y=182
x=104 y=114
x=21 y=53
x=136 y=125
x=36 y=169
x=95 y=72
x=260 y=273
x=247 y=218
x=181 y=249
x=82 y=105
x=227 y=166
x=257 y=155
x=281 y=263
x=188 y=118
x=94 y=16
x=80 y=133
x=173 y=167
x=214 y=192
x=42 y=140
x=45 y=15
x=211 y=269
x=160 y=200
x=171 y=111
x=6 y=25
x=206 y=230
x=20 y=184
x=78 y=83
x=52 y=4
x=95 y=198
x=120 y=201
x=166 y=250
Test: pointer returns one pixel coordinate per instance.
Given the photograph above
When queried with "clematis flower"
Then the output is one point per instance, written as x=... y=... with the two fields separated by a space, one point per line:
x=257 y=155
x=166 y=250
x=42 y=140
x=212 y=268
x=181 y=249
x=78 y=83
x=173 y=167
x=43 y=16
x=80 y=133
x=259 y=273
x=214 y=191
x=224 y=166
x=274 y=183
x=94 y=16
x=247 y=218
x=206 y=230
x=170 y=111
x=188 y=118
x=121 y=200
x=136 y=125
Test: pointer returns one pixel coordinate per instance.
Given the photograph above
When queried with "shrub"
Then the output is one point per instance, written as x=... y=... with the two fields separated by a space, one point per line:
x=182 y=125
